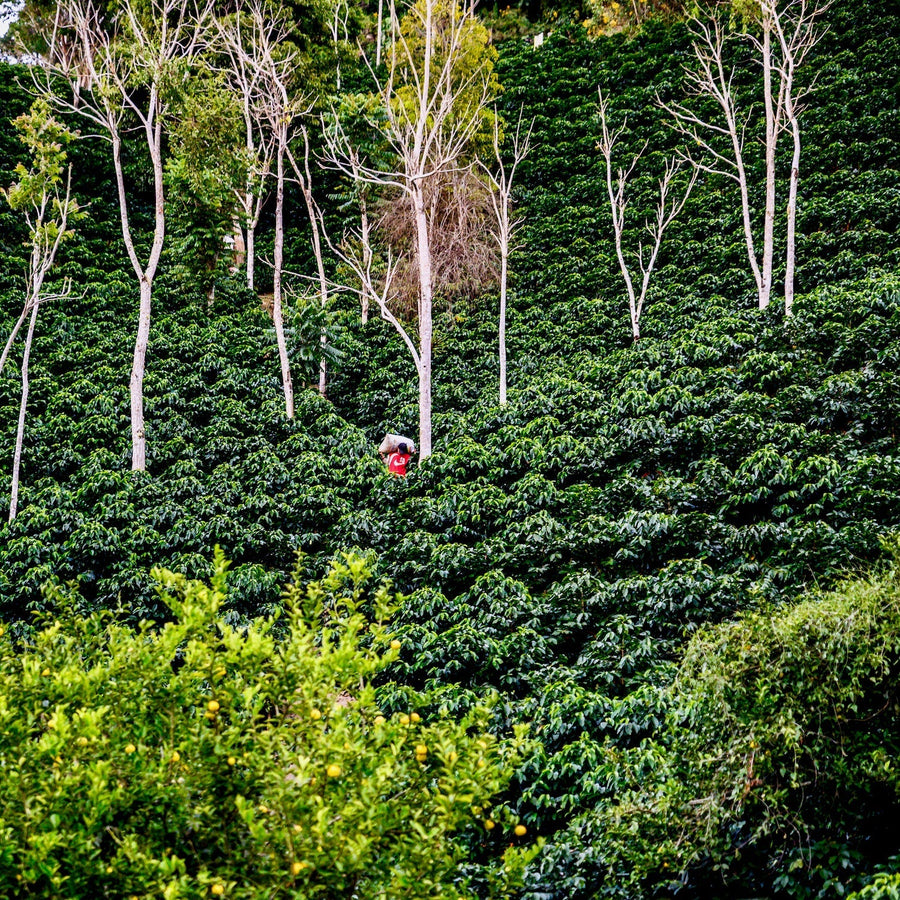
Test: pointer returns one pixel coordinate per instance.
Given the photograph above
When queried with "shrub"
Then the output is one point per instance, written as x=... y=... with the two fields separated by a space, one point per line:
x=195 y=758
x=781 y=735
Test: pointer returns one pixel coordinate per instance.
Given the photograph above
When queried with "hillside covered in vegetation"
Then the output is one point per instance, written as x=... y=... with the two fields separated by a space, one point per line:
x=641 y=555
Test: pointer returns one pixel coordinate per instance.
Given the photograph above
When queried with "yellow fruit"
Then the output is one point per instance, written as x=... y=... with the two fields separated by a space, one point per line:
x=379 y=720
x=481 y=764
x=82 y=741
x=489 y=824
x=231 y=760
x=218 y=889
x=453 y=756
x=395 y=644
x=404 y=719
x=130 y=748
x=333 y=771
x=315 y=714
x=298 y=867
x=213 y=706
x=520 y=830
x=415 y=717
x=45 y=673
x=421 y=750
x=175 y=756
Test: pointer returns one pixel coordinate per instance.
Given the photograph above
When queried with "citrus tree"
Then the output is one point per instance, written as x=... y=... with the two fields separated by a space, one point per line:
x=198 y=758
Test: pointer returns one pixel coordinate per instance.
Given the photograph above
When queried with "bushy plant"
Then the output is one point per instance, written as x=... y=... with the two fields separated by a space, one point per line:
x=781 y=735
x=195 y=758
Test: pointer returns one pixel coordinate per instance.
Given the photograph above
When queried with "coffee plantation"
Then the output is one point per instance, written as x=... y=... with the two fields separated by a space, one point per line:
x=655 y=592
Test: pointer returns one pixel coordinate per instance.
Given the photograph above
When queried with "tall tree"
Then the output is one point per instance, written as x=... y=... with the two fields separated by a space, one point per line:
x=666 y=211
x=277 y=85
x=433 y=103
x=43 y=195
x=244 y=37
x=303 y=177
x=124 y=64
x=798 y=31
x=501 y=175
x=268 y=68
x=781 y=33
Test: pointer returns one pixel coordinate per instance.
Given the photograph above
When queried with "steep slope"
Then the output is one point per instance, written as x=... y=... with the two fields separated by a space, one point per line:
x=560 y=549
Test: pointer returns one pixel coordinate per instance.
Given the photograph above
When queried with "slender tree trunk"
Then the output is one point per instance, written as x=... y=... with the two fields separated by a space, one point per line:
x=305 y=179
x=423 y=250
x=501 y=331
x=771 y=139
x=790 y=261
x=277 y=313
x=367 y=254
x=20 y=432
x=153 y=130
x=251 y=255
x=138 y=367
x=378 y=34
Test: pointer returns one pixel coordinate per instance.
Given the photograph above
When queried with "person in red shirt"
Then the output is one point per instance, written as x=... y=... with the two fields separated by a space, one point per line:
x=398 y=460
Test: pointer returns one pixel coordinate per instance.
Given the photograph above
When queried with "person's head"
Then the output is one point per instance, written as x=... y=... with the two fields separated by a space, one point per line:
x=403 y=448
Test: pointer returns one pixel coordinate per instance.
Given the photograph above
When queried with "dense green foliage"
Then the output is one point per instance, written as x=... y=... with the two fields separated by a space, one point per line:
x=200 y=758
x=781 y=733
x=561 y=549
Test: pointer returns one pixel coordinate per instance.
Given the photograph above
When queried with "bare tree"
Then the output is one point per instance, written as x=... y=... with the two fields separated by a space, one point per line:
x=337 y=27
x=711 y=78
x=265 y=68
x=125 y=63
x=303 y=177
x=431 y=110
x=797 y=31
x=244 y=39
x=48 y=210
x=263 y=72
x=782 y=35
x=501 y=176
x=666 y=211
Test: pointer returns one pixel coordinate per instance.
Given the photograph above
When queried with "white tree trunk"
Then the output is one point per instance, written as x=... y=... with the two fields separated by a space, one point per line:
x=423 y=250
x=501 y=330
x=378 y=34
x=138 y=367
x=367 y=254
x=277 y=313
x=305 y=180
x=20 y=431
x=251 y=256
x=791 y=251
x=771 y=141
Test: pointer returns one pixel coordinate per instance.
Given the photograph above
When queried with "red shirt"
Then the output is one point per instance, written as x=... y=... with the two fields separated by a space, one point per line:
x=397 y=463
